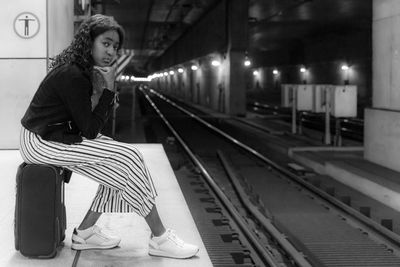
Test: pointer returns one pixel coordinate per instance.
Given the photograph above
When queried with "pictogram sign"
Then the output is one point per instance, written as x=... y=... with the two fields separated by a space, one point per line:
x=26 y=25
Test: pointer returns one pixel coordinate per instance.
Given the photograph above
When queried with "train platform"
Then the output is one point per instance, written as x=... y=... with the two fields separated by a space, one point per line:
x=133 y=250
x=346 y=164
x=349 y=167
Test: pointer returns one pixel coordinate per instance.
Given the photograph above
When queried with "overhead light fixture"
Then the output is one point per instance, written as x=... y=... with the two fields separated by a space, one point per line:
x=247 y=62
x=142 y=79
x=194 y=67
x=215 y=63
x=165 y=73
x=345 y=67
x=303 y=69
x=180 y=70
x=255 y=73
x=171 y=72
x=275 y=72
x=346 y=71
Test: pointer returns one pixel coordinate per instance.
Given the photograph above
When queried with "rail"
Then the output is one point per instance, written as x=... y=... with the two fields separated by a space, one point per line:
x=389 y=236
x=264 y=254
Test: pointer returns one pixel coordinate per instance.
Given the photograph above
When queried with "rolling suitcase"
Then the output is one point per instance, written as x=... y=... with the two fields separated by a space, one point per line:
x=40 y=218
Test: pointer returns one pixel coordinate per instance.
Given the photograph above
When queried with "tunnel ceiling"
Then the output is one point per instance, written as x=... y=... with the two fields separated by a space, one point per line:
x=153 y=25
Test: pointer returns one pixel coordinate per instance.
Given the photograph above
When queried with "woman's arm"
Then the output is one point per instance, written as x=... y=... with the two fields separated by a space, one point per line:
x=76 y=94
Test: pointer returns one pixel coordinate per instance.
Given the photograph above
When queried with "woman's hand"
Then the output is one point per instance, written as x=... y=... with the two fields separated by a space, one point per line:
x=108 y=73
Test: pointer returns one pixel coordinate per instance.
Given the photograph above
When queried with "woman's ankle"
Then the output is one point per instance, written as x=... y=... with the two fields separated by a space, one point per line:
x=84 y=227
x=159 y=232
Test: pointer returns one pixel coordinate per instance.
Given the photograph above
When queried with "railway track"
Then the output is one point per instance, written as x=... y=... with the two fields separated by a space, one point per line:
x=283 y=218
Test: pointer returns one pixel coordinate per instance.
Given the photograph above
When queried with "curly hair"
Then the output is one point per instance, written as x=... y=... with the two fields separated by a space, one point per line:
x=79 y=51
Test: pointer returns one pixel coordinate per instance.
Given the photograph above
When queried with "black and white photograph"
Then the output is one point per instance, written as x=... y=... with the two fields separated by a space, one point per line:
x=200 y=133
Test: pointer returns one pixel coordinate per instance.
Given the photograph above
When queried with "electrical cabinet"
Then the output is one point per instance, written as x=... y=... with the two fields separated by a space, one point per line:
x=344 y=101
x=304 y=97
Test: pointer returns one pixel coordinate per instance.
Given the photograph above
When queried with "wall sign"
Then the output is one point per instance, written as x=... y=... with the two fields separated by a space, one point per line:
x=26 y=25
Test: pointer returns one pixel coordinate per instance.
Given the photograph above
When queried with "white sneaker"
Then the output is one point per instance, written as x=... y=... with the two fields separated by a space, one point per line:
x=171 y=246
x=93 y=238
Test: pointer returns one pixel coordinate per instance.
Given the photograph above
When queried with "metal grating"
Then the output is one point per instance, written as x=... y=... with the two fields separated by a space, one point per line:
x=221 y=241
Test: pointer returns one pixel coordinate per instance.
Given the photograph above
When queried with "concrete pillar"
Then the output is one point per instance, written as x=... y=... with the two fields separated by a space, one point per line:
x=235 y=94
x=382 y=121
x=32 y=31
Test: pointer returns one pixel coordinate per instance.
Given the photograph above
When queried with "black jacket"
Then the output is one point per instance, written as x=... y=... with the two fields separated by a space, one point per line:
x=61 y=108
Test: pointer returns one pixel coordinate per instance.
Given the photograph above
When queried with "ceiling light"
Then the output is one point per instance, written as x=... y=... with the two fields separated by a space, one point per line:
x=194 y=67
x=215 y=63
x=180 y=70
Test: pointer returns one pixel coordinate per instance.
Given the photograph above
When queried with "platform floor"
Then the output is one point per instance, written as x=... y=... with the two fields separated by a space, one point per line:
x=132 y=228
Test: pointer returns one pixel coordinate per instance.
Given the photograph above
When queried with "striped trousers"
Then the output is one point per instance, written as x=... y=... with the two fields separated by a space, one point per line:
x=125 y=182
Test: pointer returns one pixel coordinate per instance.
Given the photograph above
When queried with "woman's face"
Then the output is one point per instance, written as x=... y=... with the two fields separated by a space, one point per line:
x=105 y=48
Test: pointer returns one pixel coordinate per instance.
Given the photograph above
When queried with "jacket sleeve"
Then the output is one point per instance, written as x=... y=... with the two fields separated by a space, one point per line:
x=76 y=95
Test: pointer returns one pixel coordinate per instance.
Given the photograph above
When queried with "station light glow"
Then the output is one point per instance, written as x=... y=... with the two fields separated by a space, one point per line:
x=275 y=72
x=194 y=67
x=171 y=72
x=345 y=67
x=247 y=62
x=180 y=70
x=303 y=70
x=141 y=79
x=255 y=73
x=127 y=78
x=215 y=63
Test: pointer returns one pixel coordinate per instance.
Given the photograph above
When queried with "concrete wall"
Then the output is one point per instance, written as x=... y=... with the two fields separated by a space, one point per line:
x=22 y=62
x=60 y=25
x=265 y=82
x=24 y=56
x=382 y=128
x=206 y=86
x=386 y=54
x=322 y=55
x=381 y=137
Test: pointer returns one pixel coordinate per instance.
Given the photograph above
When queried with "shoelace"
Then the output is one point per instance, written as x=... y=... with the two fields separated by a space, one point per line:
x=174 y=238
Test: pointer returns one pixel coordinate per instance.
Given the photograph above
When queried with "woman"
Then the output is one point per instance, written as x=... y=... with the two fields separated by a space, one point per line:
x=61 y=127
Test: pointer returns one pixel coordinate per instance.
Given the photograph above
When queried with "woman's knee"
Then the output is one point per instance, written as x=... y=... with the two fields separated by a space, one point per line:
x=132 y=152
